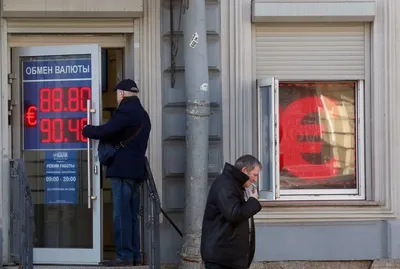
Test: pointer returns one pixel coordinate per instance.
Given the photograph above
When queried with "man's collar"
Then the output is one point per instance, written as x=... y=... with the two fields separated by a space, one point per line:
x=238 y=175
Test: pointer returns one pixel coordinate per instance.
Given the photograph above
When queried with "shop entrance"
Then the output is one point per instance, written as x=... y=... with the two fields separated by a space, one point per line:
x=112 y=74
x=56 y=91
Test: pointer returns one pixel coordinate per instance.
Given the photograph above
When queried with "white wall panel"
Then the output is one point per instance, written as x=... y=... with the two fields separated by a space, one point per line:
x=67 y=26
x=112 y=41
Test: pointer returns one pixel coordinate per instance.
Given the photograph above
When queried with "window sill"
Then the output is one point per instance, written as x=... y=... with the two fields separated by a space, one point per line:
x=320 y=203
x=325 y=211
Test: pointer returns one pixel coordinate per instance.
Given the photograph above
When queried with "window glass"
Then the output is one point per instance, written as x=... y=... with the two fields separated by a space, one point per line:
x=317 y=135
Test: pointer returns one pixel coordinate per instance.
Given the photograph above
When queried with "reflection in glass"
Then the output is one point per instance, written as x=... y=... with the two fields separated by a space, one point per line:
x=55 y=90
x=59 y=225
x=317 y=125
x=267 y=137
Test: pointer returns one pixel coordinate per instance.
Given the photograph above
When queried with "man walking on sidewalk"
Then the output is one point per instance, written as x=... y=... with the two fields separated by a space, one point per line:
x=228 y=235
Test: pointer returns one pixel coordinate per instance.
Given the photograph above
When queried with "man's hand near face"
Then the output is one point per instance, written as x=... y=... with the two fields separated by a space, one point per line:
x=254 y=193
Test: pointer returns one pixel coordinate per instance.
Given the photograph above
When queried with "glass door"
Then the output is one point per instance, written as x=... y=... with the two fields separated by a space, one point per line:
x=57 y=91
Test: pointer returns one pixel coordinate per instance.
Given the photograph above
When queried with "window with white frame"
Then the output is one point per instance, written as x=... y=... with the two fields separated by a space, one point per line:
x=311 y=139
x=310 y=82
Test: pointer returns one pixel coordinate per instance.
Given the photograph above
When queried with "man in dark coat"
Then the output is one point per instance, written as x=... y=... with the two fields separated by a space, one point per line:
x=129 y=122
x=228 y=235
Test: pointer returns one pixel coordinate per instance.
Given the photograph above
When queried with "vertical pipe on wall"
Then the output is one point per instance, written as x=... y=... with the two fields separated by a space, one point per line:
x=197 y=121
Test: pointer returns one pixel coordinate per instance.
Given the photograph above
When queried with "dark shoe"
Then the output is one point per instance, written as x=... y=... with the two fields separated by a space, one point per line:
x=137 y=263
x=117 y=263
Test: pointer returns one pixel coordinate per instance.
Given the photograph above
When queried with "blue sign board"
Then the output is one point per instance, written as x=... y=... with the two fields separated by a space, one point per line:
x=55 y=94
x=60 y=177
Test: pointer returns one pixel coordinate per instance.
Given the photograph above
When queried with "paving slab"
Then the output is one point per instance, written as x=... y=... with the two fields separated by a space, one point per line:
x=383 y=264
x=313 y=265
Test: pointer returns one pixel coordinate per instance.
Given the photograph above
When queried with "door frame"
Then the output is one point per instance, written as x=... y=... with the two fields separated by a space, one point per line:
x=65 y=255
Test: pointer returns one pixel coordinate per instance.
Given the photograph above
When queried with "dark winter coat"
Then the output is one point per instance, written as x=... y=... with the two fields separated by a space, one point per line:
x=225 y=234
x=129 y=161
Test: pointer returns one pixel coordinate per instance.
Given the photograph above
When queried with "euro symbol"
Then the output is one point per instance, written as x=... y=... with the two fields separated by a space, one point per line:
x=31 y=116
x=293 y=127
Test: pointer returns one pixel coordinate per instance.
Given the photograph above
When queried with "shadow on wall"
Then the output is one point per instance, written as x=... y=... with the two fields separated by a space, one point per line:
x=171 y=242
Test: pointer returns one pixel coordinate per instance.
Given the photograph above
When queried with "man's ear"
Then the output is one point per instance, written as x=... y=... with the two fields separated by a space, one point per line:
x=244 y=170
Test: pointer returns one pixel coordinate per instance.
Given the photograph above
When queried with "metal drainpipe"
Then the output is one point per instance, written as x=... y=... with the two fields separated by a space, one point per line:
x=197 y=129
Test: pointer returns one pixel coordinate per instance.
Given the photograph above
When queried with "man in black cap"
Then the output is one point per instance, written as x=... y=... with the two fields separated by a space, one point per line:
x=129 y=122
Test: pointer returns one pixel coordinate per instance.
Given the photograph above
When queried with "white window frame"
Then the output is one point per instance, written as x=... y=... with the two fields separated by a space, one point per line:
x=271 y=87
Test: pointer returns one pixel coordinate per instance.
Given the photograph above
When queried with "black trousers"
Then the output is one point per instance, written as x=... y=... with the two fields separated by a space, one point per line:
x=211 y=265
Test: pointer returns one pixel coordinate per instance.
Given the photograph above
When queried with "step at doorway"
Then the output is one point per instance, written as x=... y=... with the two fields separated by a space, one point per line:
x=77 y=267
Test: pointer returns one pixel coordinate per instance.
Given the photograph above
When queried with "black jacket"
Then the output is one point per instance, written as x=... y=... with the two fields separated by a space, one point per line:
x=225 y=234
x=129 y=161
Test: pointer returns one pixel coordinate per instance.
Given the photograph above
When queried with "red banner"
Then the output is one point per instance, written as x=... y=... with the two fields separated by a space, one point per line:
x=292 y=127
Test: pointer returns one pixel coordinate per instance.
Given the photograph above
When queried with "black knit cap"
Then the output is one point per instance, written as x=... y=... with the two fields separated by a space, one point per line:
x=127 y=85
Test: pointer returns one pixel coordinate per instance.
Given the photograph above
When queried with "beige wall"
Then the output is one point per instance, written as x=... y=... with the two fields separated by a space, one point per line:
x=72 y=8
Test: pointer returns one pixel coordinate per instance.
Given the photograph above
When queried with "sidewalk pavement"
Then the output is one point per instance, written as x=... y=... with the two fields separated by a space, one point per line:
x=377 y=264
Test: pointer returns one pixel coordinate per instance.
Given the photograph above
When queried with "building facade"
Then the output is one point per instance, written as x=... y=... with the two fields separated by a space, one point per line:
x=310 y=87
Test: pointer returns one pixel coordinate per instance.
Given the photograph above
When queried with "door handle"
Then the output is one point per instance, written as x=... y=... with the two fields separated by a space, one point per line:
x=89 y=159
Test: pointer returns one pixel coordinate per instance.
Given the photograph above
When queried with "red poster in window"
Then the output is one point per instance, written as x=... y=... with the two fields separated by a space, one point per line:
x=292 y=126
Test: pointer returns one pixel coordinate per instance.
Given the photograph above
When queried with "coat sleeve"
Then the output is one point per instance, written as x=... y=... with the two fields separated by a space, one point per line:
x=228 y=202
x=118 y=121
